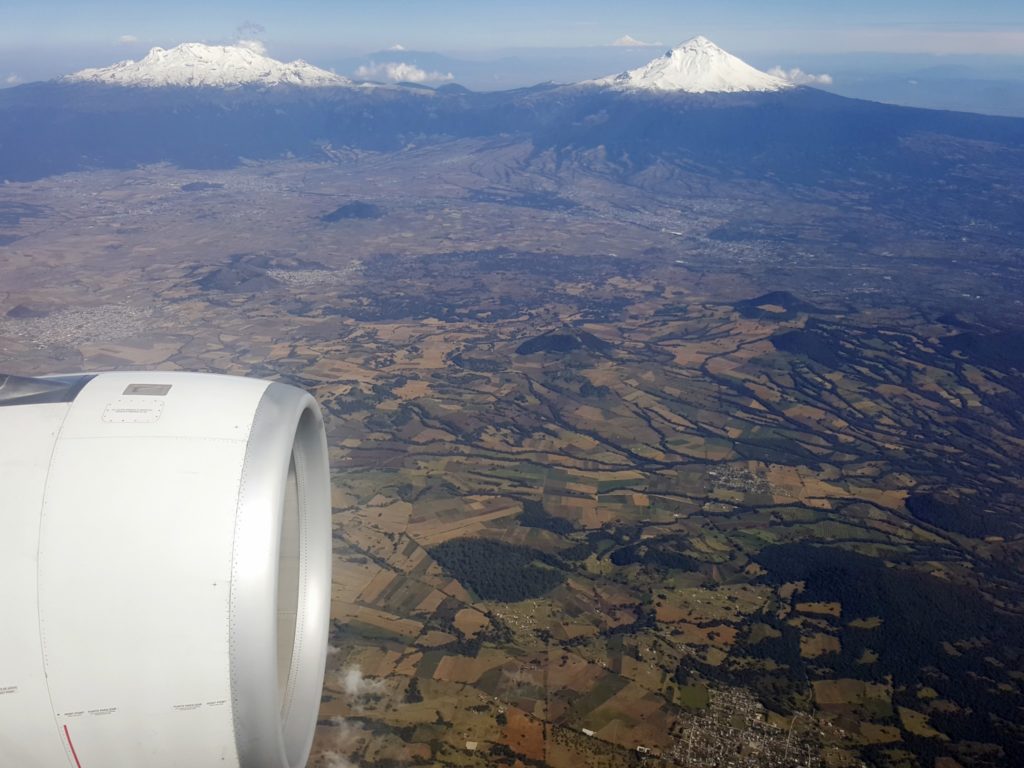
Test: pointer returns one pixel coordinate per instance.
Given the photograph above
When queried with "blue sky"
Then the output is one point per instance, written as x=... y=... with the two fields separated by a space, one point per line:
x=932 y=26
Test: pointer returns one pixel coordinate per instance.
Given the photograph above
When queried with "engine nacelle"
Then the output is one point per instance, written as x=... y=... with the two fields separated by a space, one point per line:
x=165 y=571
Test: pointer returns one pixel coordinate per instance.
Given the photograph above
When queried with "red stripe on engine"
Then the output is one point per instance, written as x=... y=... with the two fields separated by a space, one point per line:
x=73 y=753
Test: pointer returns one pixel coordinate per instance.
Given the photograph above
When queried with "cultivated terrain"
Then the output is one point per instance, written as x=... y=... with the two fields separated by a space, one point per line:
x=648 y=447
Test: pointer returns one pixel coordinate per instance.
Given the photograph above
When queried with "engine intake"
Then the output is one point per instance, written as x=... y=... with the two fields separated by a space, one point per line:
x=165 y=571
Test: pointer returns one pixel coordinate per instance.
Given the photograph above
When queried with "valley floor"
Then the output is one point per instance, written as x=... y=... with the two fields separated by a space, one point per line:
x=754 y=456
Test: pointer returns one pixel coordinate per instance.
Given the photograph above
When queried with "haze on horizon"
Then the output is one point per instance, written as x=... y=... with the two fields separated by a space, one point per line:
x=942 y=54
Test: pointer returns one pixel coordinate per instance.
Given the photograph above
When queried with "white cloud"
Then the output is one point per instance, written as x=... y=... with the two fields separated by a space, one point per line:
x=127 y=39
x=356 y=685
x=249 y=35
x=12 y=79
x=345 y=739
x=400 y=72
x=798 y=77
x=256 y=46
x=397 y=47
x=628 y=41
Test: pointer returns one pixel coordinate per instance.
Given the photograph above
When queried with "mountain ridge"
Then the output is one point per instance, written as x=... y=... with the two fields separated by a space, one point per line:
x=217 y=66
x=797 y=137
x=696 y=66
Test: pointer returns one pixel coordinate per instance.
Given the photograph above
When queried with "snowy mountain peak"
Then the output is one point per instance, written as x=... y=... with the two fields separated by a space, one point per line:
x=697 y=42
x=216 y=66
x=696 y=66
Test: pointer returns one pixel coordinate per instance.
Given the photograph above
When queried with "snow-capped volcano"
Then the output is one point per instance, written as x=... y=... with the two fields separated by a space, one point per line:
x=696 y=66
x=217 y=66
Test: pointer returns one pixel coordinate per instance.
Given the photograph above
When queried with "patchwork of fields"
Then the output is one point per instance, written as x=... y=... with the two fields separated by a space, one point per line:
x=608 y=485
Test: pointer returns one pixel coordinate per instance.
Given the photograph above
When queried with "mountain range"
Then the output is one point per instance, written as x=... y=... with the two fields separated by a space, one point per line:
x=695 y=109
x=218 y=66
x=696 y=66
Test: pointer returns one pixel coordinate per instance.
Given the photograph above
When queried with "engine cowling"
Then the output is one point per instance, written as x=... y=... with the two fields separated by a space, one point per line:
x=165 y=571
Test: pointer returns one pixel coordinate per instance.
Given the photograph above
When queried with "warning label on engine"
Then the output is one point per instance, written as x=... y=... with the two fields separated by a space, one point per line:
x=136 y=410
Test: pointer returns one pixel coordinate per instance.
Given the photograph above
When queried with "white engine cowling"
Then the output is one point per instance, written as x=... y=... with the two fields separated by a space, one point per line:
x=165 y=571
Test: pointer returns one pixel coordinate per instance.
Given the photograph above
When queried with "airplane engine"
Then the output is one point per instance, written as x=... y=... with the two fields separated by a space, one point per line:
x=165 y=571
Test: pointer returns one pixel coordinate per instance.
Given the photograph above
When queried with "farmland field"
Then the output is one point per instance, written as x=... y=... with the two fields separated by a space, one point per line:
x=604 y=478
